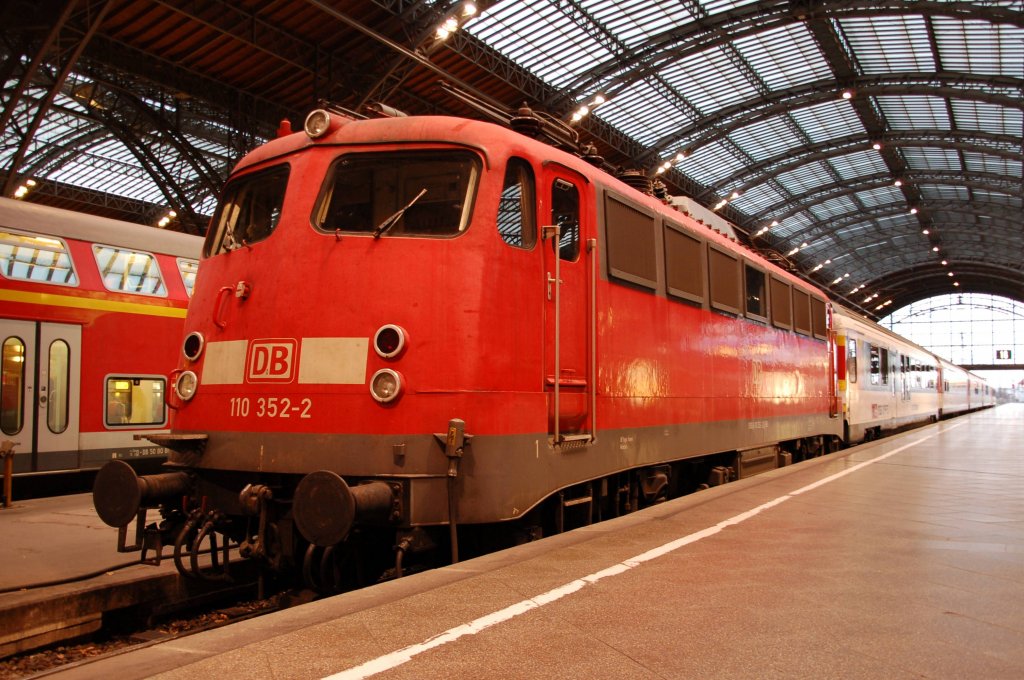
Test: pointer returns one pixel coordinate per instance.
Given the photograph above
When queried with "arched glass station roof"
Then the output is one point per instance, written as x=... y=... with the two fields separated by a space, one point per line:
x=872 y=147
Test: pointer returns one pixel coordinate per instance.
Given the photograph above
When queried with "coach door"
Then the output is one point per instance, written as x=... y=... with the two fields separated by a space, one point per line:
x=568 y=268
x=39 y=395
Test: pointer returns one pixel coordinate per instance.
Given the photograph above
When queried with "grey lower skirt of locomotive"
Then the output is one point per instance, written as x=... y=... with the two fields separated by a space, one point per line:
x=337 y=535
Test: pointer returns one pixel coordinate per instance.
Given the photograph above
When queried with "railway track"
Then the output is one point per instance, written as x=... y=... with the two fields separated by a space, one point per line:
x=79 y=621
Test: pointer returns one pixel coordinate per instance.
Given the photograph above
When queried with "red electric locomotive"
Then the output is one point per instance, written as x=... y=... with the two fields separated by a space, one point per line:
x=408 y=327
x=91 y=311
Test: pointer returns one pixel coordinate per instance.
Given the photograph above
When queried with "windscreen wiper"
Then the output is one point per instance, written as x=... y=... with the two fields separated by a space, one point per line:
x=393 y=220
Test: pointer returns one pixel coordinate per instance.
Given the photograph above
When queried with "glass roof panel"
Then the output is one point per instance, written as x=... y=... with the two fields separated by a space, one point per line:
x=833 y=207
x=109 y=167
x=713 y=164
x=859 y=164
x=981 y=195
x=885 y=44
x=643 y=113
x=633 y=21
x=756 y=199
x=784 y=57
x=877 y=196
x=709 y=80
x=769 y=139
x=715 y=6
x=971 y=115
x=931 y=158
x=806 y=178
x=825 y=121
x=793 y=225
x=913 y=112
x=943 y=192
x=1003 y=167
x=540 y=37
x=980 y=47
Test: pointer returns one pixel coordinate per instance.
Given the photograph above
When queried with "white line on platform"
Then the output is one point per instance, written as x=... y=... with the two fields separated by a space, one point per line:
x=397 y=658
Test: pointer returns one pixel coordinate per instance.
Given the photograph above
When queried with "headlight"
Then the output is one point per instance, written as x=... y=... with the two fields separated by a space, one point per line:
x=185 y=386
x=193 y=345
x=389 y=341
x=385 y=385
x=317 y=123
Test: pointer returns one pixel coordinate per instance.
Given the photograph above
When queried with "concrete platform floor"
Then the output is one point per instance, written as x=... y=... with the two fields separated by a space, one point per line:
x=903 y=558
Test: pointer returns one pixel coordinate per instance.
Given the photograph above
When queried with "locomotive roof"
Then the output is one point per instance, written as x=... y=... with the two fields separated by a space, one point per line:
x=483 y=136
x=41 y=219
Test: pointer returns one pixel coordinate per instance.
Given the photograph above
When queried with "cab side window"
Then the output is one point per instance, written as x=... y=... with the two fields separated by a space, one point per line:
x=565 y=212
x=516 y=223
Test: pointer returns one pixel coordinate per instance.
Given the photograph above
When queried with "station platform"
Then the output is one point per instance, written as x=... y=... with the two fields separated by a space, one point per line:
x=51 y=539
x=902 y=558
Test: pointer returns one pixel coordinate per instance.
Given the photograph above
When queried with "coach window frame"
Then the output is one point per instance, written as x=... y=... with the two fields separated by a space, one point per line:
x=58 y=384
x=17 y=387
x=161 y=292
x=875 y=364
x=131 y=378
x=851 y=359
x=180 y=261
x=75 y=283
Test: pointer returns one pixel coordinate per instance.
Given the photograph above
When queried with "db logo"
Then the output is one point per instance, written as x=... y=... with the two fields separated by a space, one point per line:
x=271 y=360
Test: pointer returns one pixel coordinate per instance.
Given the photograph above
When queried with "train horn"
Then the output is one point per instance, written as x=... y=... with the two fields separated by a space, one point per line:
x=325 y=507
x=118 y=492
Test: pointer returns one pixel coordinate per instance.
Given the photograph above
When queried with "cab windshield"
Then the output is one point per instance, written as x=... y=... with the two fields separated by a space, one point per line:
x=249 y=210
x=418 y=193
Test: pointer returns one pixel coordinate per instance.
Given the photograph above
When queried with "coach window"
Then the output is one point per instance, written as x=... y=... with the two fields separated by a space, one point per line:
x=565 y=212
x=248 y=211
x=12 y=389
x=409 y=193
x=129 y=271
x=133 y=400
x=757 y=293
x=36 y=258
x=876 y=364
x=516 y=224
x=188 y=270
x=851 y=359
x=57 y=387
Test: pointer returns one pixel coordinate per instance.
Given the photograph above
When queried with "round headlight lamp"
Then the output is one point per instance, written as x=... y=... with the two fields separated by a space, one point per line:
x=385 y=385
x=389 y=341
x=186 y=384
x=192 y=348
x=318 y=122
